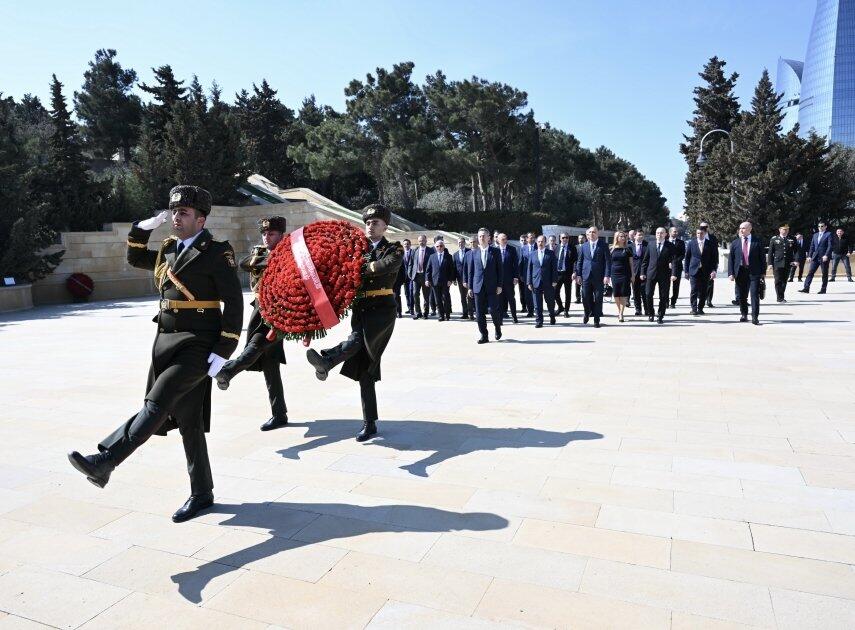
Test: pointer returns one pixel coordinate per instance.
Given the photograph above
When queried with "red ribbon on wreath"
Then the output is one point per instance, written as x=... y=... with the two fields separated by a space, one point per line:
x=309 y=274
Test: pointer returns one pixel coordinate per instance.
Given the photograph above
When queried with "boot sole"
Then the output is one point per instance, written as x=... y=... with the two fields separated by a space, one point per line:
x=316 y=361
x=222 y=383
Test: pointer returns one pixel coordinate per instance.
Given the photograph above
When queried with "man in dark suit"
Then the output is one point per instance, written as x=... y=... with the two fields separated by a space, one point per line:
x=593 y=269
x=439 y=275
x=747 y=266
x=565 y=261
x=403 y=281
x=639 y=248
x=580 y=240
x=800 y=250
x=525 y=252
x=656 y=270
x=714 y=242
x=818 y=256
x=780 y=259
x=699 y=267
x=679 y=246
x=542 y=280
x=484 y=279
x=460 y=280
x=840 y=252
x=510 y=279
x=418 y=264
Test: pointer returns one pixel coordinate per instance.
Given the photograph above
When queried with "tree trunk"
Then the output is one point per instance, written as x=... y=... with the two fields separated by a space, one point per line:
x=484 y=197
x=406 y=199
x=474 y=199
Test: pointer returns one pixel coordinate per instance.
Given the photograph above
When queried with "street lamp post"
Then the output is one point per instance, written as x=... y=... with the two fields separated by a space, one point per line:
x=702 y=160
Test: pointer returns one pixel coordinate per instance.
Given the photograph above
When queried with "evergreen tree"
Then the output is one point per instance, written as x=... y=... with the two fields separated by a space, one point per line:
x=707 y=188
x=166 y=92
x=151 y=169
x=265 y=125
x=764 y=177
x=63 y=183
x=110 y=113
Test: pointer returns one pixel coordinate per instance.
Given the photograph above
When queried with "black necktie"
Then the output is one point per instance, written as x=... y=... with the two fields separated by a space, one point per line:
x=180 y=248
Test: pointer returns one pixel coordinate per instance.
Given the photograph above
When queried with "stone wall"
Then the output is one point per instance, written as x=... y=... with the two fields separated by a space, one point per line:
x=101 y=255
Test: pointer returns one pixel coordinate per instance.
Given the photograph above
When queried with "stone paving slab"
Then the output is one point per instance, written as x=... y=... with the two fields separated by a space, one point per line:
x=699 y=474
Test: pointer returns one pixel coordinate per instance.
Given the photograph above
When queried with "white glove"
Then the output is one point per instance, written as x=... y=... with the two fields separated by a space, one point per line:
x=217 y=362
x=156 y=221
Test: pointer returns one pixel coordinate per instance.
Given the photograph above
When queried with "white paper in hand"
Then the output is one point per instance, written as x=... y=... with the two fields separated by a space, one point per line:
x=154 y=222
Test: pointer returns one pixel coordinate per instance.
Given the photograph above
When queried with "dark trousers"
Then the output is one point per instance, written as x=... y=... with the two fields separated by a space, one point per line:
x=698 y=292
x=368 y=395
x=420 y=290
x=348 y=349
x=817 y=263
x=846 y=265
x=748 y=284
x=508 y=301
x=526 y=299
x=466 y=304
x=638 y=295
x=565 y=283
x=578 y=293
x=592 y=298
x=664 y=284
x=710 y=289
x=801 y=270
x=539 y=294
x=442 y=297
x=262 y=352
x=781 y=274
x=483 y=300
x=410 y=294
x=675 y=290
x=129 y=436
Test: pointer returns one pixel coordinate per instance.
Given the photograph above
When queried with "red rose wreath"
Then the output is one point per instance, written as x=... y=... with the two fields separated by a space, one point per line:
x=312 y=277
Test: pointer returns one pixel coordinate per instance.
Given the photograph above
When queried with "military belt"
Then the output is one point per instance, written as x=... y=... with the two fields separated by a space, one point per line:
x=375 y=293
x=199 y=305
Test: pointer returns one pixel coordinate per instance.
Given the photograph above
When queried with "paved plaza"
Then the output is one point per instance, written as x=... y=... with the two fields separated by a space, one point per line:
x=699 y=474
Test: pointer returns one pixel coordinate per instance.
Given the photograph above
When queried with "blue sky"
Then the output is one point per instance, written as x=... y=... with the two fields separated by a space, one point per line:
x=618 y=73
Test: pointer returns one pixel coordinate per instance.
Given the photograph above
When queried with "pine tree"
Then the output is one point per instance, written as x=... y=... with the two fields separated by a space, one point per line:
x=109 y=111
x=762 y=167
x=265 y=126
x=63 y=183
x=707 y=188
x=167 y=92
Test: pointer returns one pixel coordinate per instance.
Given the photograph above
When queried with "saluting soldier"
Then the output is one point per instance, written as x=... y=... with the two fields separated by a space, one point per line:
x=372 y=320
x=782 y=251
x=193 y=273
x=261 y=354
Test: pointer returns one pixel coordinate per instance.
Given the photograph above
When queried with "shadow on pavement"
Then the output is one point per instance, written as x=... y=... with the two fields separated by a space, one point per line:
x=294 y=525
x=446 y=439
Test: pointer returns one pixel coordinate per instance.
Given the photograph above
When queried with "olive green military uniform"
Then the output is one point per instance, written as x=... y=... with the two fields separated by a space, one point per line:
x=372 y=322
x=780 y=257
x=259 y=354
x=190 y=326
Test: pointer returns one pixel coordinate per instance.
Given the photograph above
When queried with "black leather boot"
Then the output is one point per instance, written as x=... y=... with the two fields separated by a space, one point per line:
x=97 y=468
x=275 y=423
x=320 y=363
x=369 y=430
x=237 y=365
x=195 y=504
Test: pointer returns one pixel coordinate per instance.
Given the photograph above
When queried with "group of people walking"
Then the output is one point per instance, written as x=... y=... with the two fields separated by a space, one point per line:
x=488 y=271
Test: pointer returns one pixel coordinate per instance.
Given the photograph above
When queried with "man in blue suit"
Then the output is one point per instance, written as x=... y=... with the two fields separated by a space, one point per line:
x=416 y=274
x=460 y=279
x=439 y=275
x=699 y=265
x=542 y=280
x=746 y=266
x=484 y=279
x=639 y=249
x=510 y=276
x=800 y=250
x=593 y=269
x=818 y=256
x=566 y=259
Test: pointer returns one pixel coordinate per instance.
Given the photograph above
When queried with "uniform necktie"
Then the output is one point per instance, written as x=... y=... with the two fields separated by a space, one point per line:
x=745 y=251
x=180 y=248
